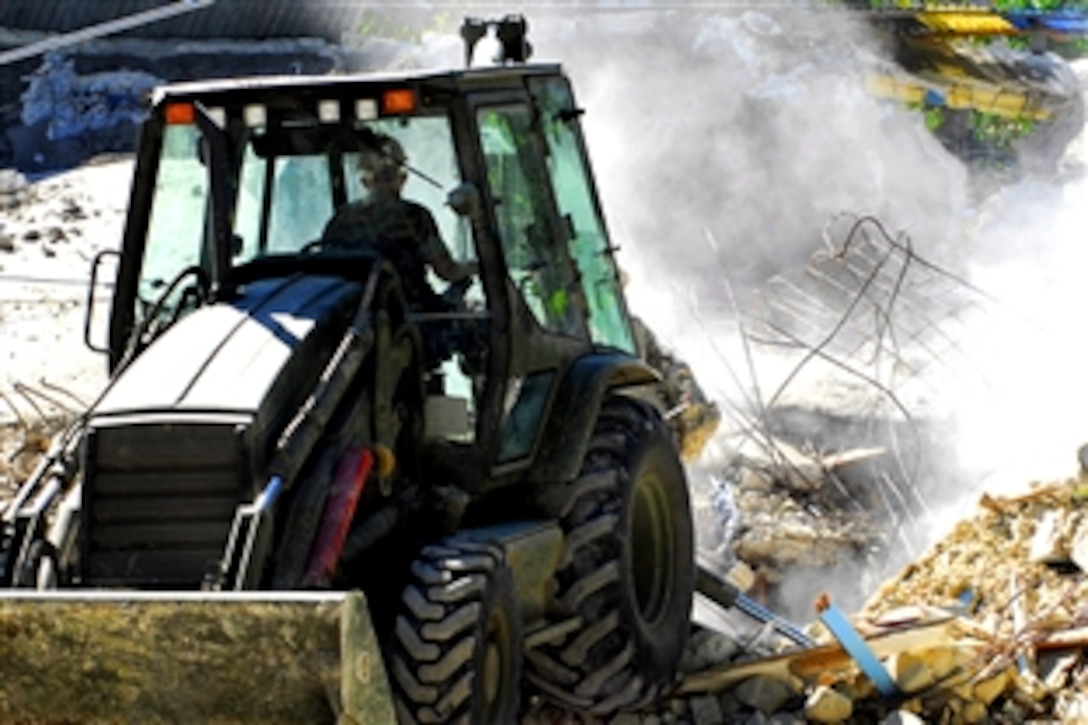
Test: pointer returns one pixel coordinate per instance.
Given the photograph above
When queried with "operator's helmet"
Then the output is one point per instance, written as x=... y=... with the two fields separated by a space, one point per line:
x=383 y=162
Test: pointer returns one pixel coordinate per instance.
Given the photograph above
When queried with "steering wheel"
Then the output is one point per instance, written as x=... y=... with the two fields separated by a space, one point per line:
x=316 y=246
x=153 y=324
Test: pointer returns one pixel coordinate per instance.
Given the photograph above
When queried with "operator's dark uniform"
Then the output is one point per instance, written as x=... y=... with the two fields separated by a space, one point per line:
x=401 y=231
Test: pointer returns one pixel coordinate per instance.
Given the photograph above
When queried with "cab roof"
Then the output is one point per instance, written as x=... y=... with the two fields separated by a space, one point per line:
x=345 y=84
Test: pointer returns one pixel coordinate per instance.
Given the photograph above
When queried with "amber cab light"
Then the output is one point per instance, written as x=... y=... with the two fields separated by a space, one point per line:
x=398 y=100
x=180 y=114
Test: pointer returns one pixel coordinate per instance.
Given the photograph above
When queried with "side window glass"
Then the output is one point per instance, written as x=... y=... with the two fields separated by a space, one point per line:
x=175 y=234
x=526 y=399
x=576 y=199
x=539 y=271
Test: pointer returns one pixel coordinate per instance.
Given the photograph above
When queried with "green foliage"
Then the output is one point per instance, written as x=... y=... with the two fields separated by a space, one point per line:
x=934 y=117
x=998 y=132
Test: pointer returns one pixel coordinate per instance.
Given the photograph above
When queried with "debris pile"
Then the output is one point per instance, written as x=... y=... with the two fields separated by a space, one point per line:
x=793 y=512
x=990 y=625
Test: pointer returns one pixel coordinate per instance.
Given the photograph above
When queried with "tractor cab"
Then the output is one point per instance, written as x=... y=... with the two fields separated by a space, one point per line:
x=237 y=182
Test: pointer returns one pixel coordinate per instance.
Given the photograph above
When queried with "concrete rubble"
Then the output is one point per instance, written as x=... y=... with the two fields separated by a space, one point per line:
x=989 y=625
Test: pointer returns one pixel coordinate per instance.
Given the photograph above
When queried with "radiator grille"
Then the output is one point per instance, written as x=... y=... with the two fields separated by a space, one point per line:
x=158 y=503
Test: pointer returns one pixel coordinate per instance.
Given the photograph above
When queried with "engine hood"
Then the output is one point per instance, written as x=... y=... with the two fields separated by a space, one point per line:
x=263 y=348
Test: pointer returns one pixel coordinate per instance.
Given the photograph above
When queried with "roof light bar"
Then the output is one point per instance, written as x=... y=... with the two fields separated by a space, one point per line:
x=255 y=114
x=398 y=101
x=366 y=109
x=179 y=114
x=328 y=111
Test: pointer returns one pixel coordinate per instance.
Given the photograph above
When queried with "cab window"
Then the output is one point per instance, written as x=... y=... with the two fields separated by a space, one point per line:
x=175 y=232
x=568 y=174
x=539 y=271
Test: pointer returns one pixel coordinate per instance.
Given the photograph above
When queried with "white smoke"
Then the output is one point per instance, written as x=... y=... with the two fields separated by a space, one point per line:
x=723 y=145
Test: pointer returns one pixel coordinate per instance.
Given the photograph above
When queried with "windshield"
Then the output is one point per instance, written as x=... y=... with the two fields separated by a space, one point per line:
x=288 y=182
x=288 y=190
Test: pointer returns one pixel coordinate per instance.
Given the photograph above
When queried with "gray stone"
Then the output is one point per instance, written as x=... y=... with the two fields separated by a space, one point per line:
x=707 y=649
x=705 y=710
x=786 y=718
x=718 y=649
x=729 y=704
x=765 y=694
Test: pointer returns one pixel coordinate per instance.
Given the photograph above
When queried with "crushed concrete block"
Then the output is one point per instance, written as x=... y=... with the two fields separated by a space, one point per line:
x=1072 y=707
x=741 y=576
x=973 y=712
x=765 y=694
x=909 y=672
x=942 y=661
x=827 y=705
x=857 y=687
x=756 y=480
x=1078 y=547
x=1047 y=544
x=987 y=691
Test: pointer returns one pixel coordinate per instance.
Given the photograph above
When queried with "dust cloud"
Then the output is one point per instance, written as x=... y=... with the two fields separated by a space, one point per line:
x=725 y=144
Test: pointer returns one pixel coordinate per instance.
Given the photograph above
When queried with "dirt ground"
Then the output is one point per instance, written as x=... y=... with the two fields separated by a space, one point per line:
x=50 y=231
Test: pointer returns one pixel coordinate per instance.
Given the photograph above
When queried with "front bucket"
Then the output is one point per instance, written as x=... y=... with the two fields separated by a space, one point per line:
x=119 y=656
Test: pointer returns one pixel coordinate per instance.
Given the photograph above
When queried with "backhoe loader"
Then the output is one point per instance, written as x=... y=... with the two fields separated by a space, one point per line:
x=304 y=497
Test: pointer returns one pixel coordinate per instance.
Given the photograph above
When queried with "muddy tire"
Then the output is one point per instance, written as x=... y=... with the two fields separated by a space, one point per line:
x=628 y=568
x=455 y=655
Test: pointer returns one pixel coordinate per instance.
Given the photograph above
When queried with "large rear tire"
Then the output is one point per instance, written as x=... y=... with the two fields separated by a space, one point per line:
x=628 y=568
x=456 y=647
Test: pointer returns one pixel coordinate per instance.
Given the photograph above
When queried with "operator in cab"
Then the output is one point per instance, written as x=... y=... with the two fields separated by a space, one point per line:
x=402 y=231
